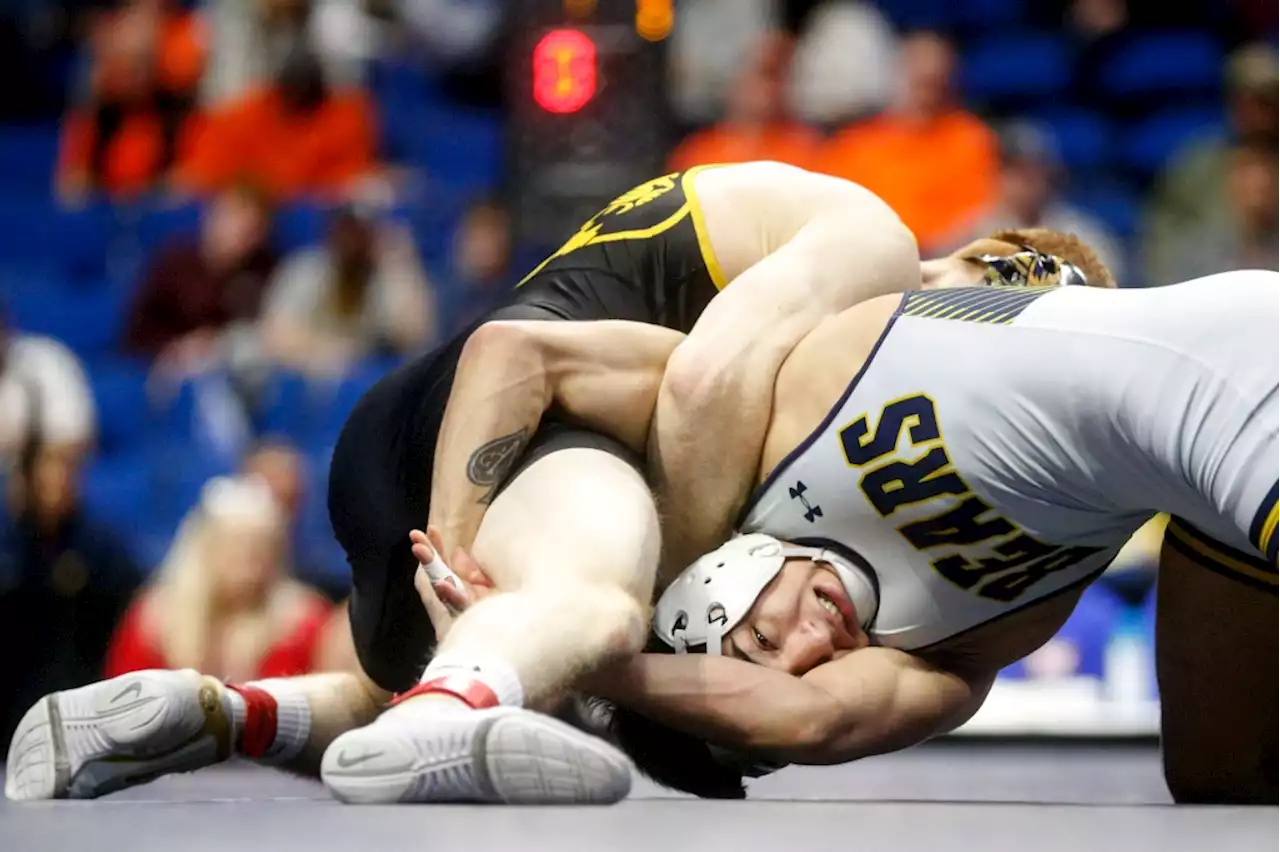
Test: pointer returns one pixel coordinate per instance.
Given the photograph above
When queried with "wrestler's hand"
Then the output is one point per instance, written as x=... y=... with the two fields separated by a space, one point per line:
x=452 y=588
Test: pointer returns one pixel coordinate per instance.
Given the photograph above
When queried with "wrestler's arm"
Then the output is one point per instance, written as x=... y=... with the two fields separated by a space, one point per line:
x=714 y=406
x=604 y=374
x=873 y=701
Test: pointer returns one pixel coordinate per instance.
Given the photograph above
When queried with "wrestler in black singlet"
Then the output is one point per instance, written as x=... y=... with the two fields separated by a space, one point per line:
x=645 y=257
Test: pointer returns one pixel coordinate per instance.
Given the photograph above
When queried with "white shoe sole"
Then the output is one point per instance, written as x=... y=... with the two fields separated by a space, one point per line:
x=90 y=741
x=504 y=755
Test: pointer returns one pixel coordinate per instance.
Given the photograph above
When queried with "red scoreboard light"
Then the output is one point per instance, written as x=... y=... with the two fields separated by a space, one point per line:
x=564 y=71
x=587 y=108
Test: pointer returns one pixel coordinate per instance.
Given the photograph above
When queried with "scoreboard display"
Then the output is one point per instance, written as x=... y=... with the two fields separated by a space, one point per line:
x=588 y=107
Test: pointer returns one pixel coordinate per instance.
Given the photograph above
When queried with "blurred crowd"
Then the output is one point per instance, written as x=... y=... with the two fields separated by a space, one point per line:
x=272 y=142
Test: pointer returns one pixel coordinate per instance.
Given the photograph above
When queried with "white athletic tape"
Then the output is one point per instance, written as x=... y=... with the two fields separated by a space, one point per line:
x=437 y=571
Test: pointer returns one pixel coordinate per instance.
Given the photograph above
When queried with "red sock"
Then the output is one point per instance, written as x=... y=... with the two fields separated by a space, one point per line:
x=261 y=715
x=473 y=692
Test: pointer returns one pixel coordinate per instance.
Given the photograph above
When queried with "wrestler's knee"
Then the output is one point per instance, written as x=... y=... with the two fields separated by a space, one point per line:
x=608 y=618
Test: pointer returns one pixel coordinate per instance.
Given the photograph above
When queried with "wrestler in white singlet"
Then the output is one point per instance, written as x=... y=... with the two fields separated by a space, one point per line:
x=1112 y=405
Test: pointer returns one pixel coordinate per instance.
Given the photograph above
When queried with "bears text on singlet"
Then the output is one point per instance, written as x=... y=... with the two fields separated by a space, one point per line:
x=972 y=545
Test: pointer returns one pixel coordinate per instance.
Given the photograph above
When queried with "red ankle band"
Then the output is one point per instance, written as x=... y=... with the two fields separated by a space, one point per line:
x=473 y=693
x=259 y=732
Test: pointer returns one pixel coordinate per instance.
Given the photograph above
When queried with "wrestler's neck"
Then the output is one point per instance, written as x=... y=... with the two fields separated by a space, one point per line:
x=947 y=272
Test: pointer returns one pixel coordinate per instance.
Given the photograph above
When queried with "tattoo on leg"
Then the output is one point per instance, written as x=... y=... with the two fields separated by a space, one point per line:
x=491 y=462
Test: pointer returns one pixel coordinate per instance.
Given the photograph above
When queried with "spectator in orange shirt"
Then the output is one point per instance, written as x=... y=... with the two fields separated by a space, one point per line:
x=295 y=137
x=934 y=163
x=147 y=59
x=756 y=125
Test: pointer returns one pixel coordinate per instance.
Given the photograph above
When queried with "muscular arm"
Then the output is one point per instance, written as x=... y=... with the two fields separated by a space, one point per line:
x=714 y=405
x=873 y=701
x=604 y=374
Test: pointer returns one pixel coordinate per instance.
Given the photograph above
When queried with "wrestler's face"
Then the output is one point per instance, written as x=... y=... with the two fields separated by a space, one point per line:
x=801 y=620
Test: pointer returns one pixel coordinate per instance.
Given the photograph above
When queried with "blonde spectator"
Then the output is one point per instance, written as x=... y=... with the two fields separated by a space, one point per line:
x=222 y=601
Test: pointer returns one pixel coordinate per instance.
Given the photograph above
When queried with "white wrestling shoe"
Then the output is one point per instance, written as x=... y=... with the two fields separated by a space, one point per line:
x=420 y=751
x=87 y=742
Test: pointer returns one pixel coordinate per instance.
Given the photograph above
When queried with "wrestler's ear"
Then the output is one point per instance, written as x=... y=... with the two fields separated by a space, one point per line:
x=469 y=570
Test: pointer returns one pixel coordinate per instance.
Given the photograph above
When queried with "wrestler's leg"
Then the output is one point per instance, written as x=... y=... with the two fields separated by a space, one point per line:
x=1216 y=661
x=573 y=544
x=87 y=742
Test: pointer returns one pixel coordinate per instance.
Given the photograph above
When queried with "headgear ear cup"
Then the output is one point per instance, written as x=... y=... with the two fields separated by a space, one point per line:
x=714 y=594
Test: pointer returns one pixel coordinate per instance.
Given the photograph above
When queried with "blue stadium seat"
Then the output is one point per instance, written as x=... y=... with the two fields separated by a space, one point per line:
x=87 y=318
x=1015 y=70
x=284 y=411
x=1087 y=631
x=920 y=14
x=436 y=219
x=117 y=489
x=318 y=555
x=1160 y=65
x=158 y=226
x=460 y=148
x=1083 y=137
x=1114 y=203
x=300 y=225
x=37 y=235
x=404 y=93
x=125 y=421
x=181 y=470
x=332 y=405
x=1147 y=147
x=27 y=155
x=988 y=15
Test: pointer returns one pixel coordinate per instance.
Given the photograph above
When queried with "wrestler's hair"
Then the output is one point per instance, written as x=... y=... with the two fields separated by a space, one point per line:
x=1069 y=247
x=673 y=758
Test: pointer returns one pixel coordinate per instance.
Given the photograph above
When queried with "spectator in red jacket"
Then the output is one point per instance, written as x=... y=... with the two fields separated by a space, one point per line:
x=223 y=602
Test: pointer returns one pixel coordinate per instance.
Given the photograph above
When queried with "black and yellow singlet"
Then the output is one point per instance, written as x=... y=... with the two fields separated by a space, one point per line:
x=644 y=257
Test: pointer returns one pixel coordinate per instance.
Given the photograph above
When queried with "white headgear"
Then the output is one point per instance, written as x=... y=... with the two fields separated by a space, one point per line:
x=712 y=595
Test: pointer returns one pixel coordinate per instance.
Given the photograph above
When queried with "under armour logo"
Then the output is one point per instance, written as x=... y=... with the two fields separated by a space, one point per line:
x=811 y=512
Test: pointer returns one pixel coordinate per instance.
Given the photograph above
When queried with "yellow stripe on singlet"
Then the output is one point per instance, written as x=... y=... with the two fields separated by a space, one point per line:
x=1269 y=528
x=1197 y=545
x=700 y=225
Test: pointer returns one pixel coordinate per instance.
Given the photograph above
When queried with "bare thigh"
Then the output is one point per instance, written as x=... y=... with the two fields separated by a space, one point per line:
x=1216 y=661
x=578 y=516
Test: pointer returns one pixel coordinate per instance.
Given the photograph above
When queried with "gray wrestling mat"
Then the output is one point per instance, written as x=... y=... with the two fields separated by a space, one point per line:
x=948 y=796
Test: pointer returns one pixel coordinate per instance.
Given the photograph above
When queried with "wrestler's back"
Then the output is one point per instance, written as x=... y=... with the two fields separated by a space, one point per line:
x=752 y=209
x=1074 y=418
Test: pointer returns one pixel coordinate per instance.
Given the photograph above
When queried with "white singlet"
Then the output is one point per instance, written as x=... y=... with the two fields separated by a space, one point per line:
x=1002 y=444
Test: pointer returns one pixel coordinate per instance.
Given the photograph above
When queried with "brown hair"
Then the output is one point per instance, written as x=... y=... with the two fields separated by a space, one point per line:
x=1069 y=247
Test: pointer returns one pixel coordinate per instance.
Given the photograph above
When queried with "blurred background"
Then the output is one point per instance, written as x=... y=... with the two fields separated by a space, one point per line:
x=221 y=221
